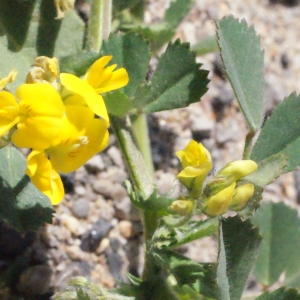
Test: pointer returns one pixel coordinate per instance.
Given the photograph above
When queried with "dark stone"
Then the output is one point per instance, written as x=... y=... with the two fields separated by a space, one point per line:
x=284 y=61
x=91 y=239
x=68 y=182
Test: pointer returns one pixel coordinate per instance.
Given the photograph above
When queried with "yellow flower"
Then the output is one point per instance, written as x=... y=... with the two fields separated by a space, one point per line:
x=44 y=176
x=79 y=92
x=196 y=163
x=218 y=204
x=241 y=195
x=105 y=79
x=38 y=115
x=81 y=137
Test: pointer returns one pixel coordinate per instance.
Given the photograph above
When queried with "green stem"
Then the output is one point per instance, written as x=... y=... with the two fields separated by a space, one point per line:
x=248 y=145
x=155 y=285
x=141 y=131
x=132 y=155
x=99 y=23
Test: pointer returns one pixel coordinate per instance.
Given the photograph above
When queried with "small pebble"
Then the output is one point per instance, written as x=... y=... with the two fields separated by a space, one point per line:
x=80 y=208
x=72 y=224
x=125 y=228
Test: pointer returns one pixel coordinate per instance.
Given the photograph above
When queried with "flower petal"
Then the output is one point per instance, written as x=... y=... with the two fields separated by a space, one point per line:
x=81 y=138
x=77 y=86
x=9 y=112
x=41 y=111
x=44 y=176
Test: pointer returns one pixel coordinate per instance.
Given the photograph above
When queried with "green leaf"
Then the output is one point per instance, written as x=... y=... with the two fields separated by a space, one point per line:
x=193 y=230
x=280 y=228
x=177 y=81
x=157 y=34
x=22 y=206
x=10 y=61
x=207 y=45
x=238 y=246
x=131 y=52
x=70 y=37
x=177 y=11
x=15 y=18
x=48 y=29
x=78 y=63
x=280 y=294
x=117 y=103
x=268 y=170
x=244 y=64
x=281 y=134
x=154 y=202
x=200 y=277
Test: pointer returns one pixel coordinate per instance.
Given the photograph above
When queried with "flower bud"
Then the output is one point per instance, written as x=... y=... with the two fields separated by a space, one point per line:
x=196 y=163
x=241 y=195
x=238 y=169
x=182 y=207
x=218 y=204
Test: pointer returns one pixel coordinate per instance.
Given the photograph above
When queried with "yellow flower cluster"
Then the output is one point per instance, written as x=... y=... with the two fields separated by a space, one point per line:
x=61 y=117
x=223 y=192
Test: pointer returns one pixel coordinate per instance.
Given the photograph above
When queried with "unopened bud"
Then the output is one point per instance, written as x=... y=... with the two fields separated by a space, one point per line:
x=237 y=169
x=218 y=204
x=241 y=195
x=182 y=207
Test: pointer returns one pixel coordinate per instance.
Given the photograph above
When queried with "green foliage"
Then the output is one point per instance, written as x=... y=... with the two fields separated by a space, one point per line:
x=117 y=103
x=131 y=52
x=279 y=250
x=280 y=294
x=154 y=202
x=188 y=232
x=22 y=206
x=207 y=45
x=244 y=64
x=199 y=277
x=48 y=28
x=238 y=246
x=177 y=11
x=177 y=81
x=160 y=33
x=15 y=18
x=280 y=134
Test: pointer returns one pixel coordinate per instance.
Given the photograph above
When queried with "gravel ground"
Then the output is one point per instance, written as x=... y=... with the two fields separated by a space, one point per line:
x=95 y=231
